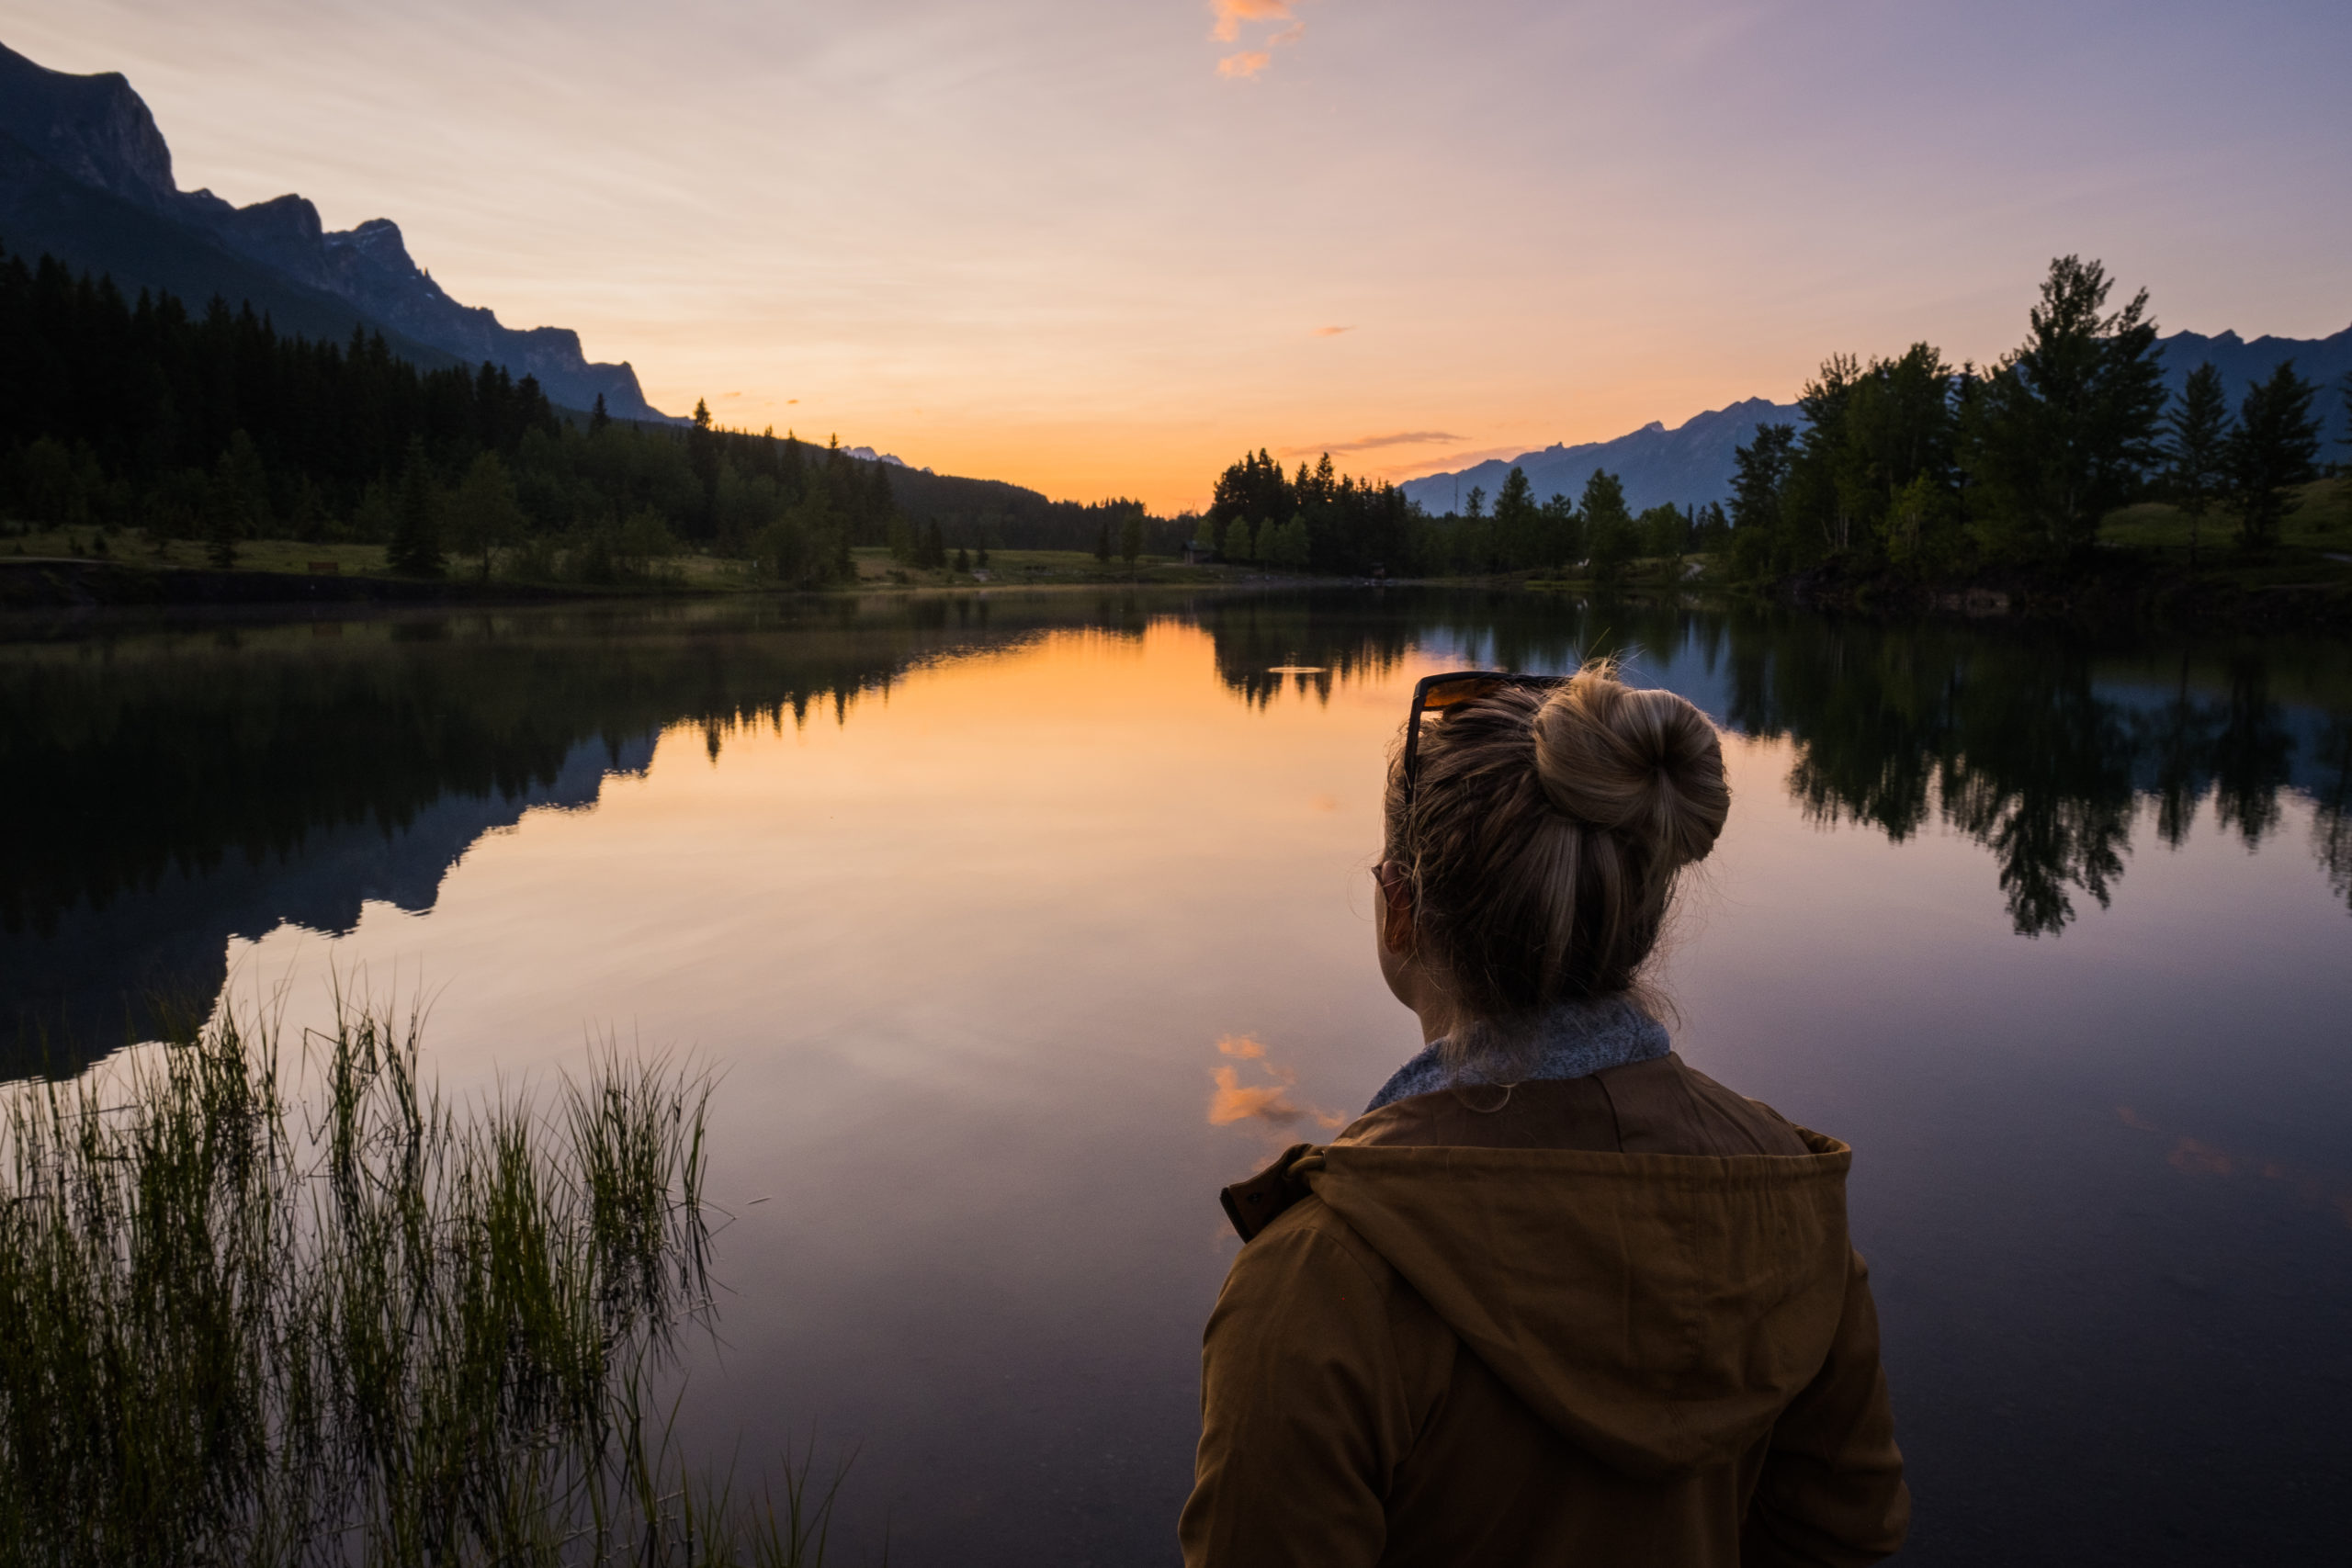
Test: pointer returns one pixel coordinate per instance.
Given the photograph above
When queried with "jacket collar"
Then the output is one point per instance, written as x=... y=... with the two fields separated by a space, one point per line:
x=1570 y=1040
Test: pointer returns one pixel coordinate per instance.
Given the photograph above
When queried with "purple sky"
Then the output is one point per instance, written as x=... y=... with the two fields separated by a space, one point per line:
x=1100 y=248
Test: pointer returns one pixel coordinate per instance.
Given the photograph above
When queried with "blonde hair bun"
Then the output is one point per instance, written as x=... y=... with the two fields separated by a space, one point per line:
x=1645 y=766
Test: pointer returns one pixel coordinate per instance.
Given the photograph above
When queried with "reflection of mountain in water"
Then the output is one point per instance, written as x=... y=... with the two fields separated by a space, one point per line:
x=186 y=788
x=2043 y=749
x=94 y=972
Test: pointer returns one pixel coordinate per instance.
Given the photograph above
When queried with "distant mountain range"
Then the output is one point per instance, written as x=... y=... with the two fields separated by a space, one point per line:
x=87 y=176
x=1692 y=465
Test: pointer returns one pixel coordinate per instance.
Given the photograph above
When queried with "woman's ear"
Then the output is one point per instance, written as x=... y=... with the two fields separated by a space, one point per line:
x=1397 y=930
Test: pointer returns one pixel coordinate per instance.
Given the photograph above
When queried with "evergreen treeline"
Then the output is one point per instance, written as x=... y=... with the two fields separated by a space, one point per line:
x=1912 y=464
x=1322 y=521
x=1908 y=464
x=119 y=414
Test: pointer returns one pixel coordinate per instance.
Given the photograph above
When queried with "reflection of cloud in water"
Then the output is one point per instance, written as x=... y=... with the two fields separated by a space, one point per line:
x=1269 y=1104
x=2195 y=1157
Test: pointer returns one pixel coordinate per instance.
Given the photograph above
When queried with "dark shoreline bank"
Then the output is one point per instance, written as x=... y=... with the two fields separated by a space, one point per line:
x=2119 y=590
x=71 y=584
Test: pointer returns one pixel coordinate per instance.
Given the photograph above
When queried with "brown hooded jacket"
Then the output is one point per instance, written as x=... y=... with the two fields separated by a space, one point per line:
x=1613 y=1319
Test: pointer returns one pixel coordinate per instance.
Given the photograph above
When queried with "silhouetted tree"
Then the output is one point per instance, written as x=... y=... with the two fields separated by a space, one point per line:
x=483 y=515
x=415 y=548
x=1609 y=533
x=2270 y=453
x=1760 y=471
x=2063 y=429
x=2197 y=449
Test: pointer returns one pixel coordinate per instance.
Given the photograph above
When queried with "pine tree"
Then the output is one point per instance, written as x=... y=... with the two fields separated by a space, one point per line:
x=236 y=501
x=597 y=418
x=962 y=560
x=483 y=514
x=415 y=548
x=2061 y=432
x=224 y=521
x=1102 y=543
x=1131 y=534
x=2271 y=453
x=2197 y=449
x=1610 y=534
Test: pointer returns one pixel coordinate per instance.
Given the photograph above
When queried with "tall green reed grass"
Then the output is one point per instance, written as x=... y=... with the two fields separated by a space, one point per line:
x=324 y=1317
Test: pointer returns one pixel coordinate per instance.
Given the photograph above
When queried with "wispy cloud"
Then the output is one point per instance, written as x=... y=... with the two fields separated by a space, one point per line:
x=1244 y=65
x=1376 y=442
x=1332 y=331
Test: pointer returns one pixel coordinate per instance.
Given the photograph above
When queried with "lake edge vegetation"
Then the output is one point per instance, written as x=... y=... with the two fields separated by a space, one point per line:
x=357 y=1323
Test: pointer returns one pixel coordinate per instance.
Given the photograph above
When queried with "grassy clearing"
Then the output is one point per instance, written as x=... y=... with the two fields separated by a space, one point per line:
x=352 y=1324
x=2313 y=540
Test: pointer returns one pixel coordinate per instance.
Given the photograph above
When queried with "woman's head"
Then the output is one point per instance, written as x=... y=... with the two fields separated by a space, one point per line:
x=1537 y=853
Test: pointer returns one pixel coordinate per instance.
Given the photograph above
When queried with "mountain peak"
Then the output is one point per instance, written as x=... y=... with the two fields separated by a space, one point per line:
x=96 y=132
x=94 y=128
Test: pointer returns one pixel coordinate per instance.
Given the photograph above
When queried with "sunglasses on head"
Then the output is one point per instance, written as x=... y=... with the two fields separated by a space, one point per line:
x=1435 y=693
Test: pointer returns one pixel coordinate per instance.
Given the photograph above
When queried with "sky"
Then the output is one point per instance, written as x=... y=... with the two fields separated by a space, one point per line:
x=1103 y=248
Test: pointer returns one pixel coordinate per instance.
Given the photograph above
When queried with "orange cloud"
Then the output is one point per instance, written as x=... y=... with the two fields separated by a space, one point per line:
x=1244 y=65
x=1241 y=1046
x=1331 y=332
x=1231 y=14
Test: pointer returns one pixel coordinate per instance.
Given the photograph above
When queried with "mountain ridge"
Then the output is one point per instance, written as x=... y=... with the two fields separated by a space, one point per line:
x=85 y=175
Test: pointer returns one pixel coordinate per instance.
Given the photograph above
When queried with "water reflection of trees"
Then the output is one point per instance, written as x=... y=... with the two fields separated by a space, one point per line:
x=2044 y=747
x=172 y=790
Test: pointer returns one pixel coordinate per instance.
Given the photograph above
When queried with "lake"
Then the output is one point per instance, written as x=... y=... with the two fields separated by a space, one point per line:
x=1013 y=926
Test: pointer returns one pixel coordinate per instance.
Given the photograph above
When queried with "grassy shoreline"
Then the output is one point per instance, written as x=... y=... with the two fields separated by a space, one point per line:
x=282 y=1313
x=2150 y=564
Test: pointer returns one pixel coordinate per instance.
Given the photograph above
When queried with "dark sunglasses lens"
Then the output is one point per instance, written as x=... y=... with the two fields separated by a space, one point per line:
x=1452 y=694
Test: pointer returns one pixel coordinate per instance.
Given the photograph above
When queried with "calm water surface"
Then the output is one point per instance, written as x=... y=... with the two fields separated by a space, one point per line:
x=1016 y=926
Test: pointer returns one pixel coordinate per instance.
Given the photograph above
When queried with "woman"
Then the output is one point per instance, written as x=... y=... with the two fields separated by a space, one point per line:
x=1555 y=1297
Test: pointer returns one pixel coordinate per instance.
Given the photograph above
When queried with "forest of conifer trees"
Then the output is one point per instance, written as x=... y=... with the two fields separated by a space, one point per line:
x=144 y=415
x=1916 y=467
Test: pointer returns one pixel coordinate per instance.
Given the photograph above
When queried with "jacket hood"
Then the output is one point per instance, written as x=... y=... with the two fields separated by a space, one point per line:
x=1659 y=1310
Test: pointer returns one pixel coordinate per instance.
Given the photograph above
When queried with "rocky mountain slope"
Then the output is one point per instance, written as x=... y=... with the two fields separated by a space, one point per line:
x=1689 y=465
x=87 y=176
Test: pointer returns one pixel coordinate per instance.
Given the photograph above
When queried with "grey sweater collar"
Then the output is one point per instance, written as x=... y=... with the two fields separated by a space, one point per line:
x=1573 y=1040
